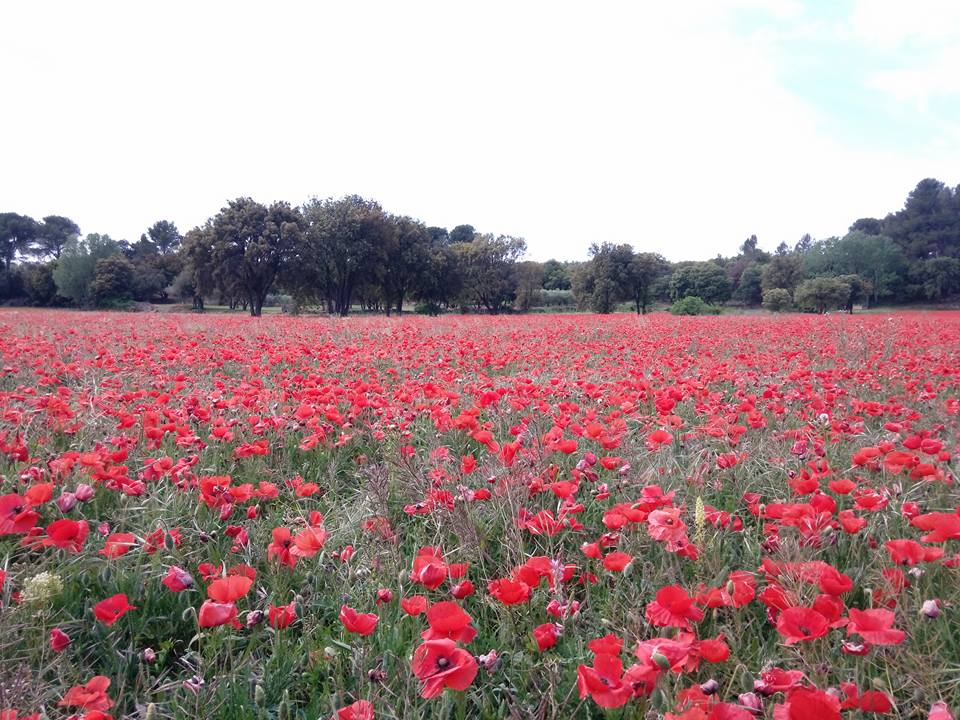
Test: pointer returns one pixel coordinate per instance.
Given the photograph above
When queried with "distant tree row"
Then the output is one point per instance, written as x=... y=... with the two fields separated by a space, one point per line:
x=338 y=255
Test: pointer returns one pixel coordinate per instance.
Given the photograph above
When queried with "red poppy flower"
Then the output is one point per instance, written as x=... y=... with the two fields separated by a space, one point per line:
x=799 y=624
x=67 y=534
x=112 y=609
x=429 y=569
x=673 y=608
x=875 y=626
x=359 y=623
x=229 y=589
x=617 y=561
x=447 y=620
x=118 y=544
x=280 y=548
x=214 y=614
x=509 y=592
x=603 y=681
x=360 y=710
x=59 y=640
x=545 y=635
x=92 y=696
x=414 y=605
x=280 y=616
x=177 y=579
x=440 y=664
x=309 y=541
x=808 y=704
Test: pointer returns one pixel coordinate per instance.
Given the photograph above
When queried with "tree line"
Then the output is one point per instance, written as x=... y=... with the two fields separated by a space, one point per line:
x=336 y=255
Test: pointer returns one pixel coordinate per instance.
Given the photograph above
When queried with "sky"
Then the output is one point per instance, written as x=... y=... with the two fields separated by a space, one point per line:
x=680 y=128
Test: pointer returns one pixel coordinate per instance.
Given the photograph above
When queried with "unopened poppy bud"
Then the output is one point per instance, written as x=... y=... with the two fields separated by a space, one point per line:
x=148 y=655
x=151 y=713
x=660 y=659
x=84 y=492
x=931 y=608
x=710 y=687
x=259 y=696
x=66 y=502
x=752 y=702
x=254 y=618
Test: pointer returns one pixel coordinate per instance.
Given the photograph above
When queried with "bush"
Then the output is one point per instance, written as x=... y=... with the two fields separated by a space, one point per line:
x=693 y=305
x=822 y=294
x=113 y=281
x=427 y=308
x=777 y=300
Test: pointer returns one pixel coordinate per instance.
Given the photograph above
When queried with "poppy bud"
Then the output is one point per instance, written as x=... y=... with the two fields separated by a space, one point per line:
x=148 y=655
x=66 y=502
x=259 y=696
x=254 y=618
x=151 y=712
x=931 y=609
x=661 y=660
x=752 y=702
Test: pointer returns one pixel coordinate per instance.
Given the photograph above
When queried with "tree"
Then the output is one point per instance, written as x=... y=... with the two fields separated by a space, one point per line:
x=822 y=294
x=344 y=245
x=76 y=266
x=53 y=235
x=529 y=278
x=165 y=236
x=556 y=275
x=196 y=280
x=875 y=258
x=803 y=244
x=40 y=285
x=860 y=289
x=929 y=223
x=777 y=300
x=252 y=246
x=113 y=280
x=641 y=273
x=488 y=270
x=16 y=234
x=405 y=259
x=869 y=226
x=706 y=280
x=749 y=289
x=940 y=277
x=783 y=271
x=462 y=234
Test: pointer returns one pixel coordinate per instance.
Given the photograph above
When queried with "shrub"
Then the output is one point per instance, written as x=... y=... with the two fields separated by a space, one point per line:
x=777 y=300
x=693 y=305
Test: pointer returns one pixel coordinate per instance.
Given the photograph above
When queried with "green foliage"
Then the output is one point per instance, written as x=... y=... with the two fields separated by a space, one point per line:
x=822 y=294
x=783 y=271
x=777 y=300
x=53 y=234
x=750 y=285
x=16 y=234
x=706 y=280
x=251 y=245
x=693 y=305
x=76 y=266
x=488 y=264
x=39 y=284
x=113 y=281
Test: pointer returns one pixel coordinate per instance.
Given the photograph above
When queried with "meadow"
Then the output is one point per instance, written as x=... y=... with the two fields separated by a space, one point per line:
x=706 y=518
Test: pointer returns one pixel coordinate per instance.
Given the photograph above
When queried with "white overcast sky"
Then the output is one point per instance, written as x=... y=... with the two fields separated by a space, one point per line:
x=679 y=127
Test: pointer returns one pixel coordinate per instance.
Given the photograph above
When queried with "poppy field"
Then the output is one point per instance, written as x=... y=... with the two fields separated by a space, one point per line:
x=706 y=518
